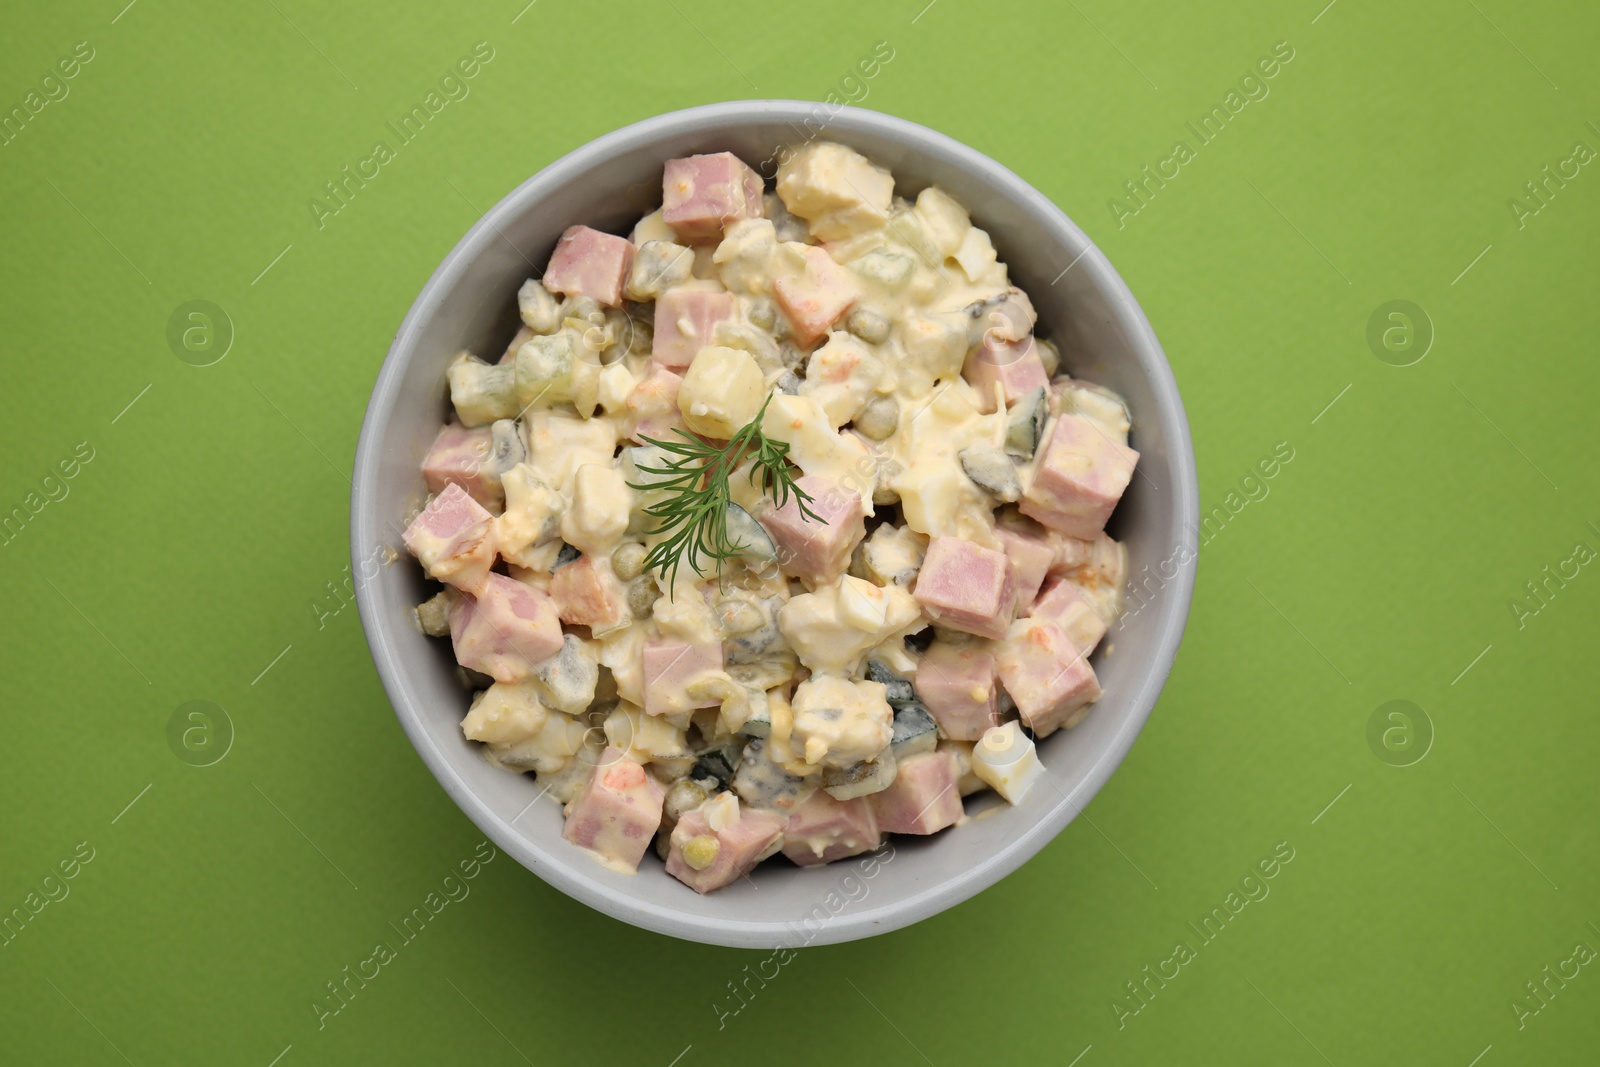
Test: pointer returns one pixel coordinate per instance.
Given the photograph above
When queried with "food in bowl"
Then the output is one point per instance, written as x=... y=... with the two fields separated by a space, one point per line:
x=775 y=528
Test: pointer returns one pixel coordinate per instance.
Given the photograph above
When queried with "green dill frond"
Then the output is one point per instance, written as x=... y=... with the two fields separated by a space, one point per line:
x=694 y=512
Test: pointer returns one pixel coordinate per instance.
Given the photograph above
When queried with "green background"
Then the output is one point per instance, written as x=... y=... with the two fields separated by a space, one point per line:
x=202 y=543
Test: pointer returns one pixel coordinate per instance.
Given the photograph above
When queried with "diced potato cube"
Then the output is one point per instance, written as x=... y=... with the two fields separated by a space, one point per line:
x=599 y=511
x=944 y=220
x=618 y=812
x=505 y=713
x=836 y=189
x=721 y=393
x=644 y=737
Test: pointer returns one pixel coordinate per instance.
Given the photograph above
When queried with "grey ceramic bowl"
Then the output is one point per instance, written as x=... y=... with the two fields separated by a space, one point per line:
x=1083 y=305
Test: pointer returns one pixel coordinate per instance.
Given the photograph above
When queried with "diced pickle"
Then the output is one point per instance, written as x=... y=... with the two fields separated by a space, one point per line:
x=1025 y=424
x=761 y=783
x=847 y=783
x=898 y=690
x=657 y=267
x=540 y=310
x=759 y=724
x=506 y=447
x=914 y=731
x=567 y=680
x=749 y=536
x=637 y=458
x=482 y=392
x=786 y=227
x=762 y=642
x=544 y=371
x=433 y=614
x=759 y=343
x=717 y=764
x=992 y=471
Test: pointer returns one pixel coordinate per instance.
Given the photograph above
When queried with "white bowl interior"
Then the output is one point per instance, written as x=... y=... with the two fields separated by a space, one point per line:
x=470 y=303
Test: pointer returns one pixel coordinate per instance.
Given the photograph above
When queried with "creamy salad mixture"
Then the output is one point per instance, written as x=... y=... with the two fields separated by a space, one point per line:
x=890 y=498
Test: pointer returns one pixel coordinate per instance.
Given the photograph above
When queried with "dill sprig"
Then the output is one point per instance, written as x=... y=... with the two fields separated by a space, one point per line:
x=694 y=513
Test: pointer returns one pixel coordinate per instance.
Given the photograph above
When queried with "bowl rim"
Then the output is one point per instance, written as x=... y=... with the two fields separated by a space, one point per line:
x=569 y=877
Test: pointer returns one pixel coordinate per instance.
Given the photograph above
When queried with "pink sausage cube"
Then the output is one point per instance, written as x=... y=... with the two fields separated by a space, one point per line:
x=458 y=456
x=1080 y=478
x=1062 y=605
x=617 y=812
x=453 y=539
x=822 y=829
x=1072 y=553
x=651 y=410
x=590 y=263
x=812 y=549
x=506 y=630
x=740 y=846
x=587 y=592
x=814 y=299
x=669 y=665
x=686 y=320
x=967 y=587
x=959 y=686
x=1015 y=365
x=1046 y=674
x=1102 y=562
x=1032 y=553
x=924 y=798
x=702 y=194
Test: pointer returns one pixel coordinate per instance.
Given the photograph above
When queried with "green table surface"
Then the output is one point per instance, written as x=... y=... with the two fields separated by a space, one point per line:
x=1443 y=851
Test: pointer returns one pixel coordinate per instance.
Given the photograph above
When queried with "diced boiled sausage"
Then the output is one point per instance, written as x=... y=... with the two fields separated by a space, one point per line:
x=617 y=813
x=506 y=630
x=1046 y=674
x=1063 y=605
x=815 y=297
x=589 y=263
x=1014 y=365
x=1079 y=479
x=461 y=456
x=1032 y=552
x=685 y=321
x=669 y=666
x=822 y=829
x=700 y=195
x=740 y=843
x=959 y=686
x=817 y=549
x=925 y=797
x=453 y=539
x=967 y=587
